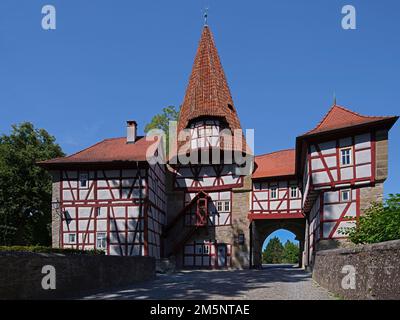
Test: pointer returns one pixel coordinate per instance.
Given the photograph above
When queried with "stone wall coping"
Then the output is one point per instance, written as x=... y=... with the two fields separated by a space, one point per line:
x=387 y=245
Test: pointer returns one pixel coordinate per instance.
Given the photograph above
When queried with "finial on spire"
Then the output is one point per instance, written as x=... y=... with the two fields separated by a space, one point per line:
x=334 y=98
x=205 y=15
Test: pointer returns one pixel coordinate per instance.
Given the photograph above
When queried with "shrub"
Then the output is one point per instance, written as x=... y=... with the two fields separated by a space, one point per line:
x=41 y=249
x=381 y=222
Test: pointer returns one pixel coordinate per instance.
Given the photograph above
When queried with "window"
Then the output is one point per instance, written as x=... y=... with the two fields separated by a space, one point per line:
x=83 y=180
x=223 y=206
x=71 y=238
x=345 y=157
x=345 y=195
x=101 y=240
x=205 y=134
x=274 y=193
x=203 y=249
x=293 y=192
x=98 y=211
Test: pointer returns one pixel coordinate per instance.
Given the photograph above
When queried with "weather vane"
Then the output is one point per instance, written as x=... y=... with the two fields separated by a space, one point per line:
x=205 y=16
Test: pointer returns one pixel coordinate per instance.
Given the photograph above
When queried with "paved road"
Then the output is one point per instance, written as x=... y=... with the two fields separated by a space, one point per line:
x=273 y=282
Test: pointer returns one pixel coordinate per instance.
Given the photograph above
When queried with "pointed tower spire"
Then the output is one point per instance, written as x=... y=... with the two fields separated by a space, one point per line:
x=207 y=94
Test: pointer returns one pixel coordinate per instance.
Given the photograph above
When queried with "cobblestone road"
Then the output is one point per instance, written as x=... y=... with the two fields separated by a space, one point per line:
x=273 y=282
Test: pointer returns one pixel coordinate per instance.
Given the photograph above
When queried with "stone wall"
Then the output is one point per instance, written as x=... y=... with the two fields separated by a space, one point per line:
x=55 y=210
x=240 y=225
x=21 y=274
x=370 y=194
x=381 y=144
x=376 y=266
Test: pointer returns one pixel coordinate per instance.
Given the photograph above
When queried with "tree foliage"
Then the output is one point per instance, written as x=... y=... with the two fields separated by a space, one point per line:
x=275 y=252
x=290 y=253
x=381 y=222
x=161 y=120
x=25 y=188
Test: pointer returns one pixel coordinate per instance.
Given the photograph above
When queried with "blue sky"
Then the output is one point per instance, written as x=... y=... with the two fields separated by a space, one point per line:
x=283 y=235
x=110 y=61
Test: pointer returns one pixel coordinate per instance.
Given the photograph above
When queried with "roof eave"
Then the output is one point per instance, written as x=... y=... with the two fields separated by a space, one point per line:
x=386 y=123
x=80 y=164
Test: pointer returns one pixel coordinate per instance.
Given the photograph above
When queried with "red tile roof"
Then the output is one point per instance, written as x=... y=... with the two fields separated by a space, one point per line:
x=208 y=94
x=339 y=117
x=108 y=150
x=275 y=164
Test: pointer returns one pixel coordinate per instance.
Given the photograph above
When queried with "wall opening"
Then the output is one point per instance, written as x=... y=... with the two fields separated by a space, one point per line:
x=280 y=247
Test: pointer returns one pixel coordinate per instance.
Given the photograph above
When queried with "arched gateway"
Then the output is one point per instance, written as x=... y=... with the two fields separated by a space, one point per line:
x=216 y=214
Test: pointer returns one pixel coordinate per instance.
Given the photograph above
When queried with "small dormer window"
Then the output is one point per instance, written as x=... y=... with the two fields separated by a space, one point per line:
x=83 y=180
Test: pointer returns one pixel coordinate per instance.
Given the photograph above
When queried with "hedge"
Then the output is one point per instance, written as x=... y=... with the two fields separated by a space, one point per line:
x=42 y=249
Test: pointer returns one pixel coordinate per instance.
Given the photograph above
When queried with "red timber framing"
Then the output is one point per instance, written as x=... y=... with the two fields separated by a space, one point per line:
x=207 y=254
x=275 y=200
x=329 y=214
x=325 y=161
x=214 y=216
x=324 y=168
x=314 y=228
x=115 y=205
x=337 y=213
x=195 y=178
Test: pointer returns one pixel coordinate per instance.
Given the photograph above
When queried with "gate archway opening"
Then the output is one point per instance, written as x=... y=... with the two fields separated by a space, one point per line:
x=263 y=228
x=280 y=247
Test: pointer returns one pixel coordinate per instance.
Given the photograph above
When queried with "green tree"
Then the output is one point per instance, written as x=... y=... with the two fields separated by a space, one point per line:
x=25 y=188
x=273 y=251
x=290 y=252
x=161 y=121
x=381 y=222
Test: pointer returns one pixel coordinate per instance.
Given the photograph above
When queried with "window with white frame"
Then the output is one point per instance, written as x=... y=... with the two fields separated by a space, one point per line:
x=83 y=181
x=274 y=193
x=101 y=240
x=345 y=195
x=71 y=238
x=223 y=206
x=206 y=249
x=345 y=156
x=293 y=192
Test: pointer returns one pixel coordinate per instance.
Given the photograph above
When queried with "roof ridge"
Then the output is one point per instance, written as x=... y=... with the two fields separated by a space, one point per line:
x=97 y=143
x=343 y=109
x=322 y=120
x=267 y=154
x=357 y=113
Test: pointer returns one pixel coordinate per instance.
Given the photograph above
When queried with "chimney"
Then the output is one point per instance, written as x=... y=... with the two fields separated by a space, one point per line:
x=131 y=131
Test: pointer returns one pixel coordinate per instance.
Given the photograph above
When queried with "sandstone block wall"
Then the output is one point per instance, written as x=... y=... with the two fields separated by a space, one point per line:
x=376 y=266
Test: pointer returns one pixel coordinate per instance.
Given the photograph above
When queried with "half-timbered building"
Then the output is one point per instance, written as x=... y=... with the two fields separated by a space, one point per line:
x=215 y=213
